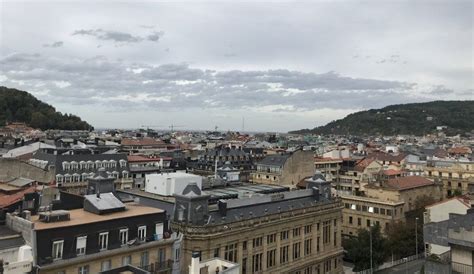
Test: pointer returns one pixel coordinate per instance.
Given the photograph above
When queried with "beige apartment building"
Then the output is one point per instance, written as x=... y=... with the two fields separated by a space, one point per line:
x=284 y=169
x=455 y=176
x=362 y=212
x=386 y=202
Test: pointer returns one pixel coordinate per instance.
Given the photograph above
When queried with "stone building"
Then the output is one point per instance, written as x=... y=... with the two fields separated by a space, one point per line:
x=286 y=169
x=386 y=202
x=456 y=176
x=288 y=232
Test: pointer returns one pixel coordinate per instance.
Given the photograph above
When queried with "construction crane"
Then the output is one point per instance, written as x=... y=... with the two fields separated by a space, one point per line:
x=174 y=126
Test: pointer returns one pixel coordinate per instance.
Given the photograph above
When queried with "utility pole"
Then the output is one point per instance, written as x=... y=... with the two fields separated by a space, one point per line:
x=416 y=235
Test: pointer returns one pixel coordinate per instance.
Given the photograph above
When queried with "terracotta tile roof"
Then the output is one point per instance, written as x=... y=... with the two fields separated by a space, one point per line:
x=408 y=182
x=460 y=150
x=392 y=172
x=142 y=158
x=142 y=142
x=7 y=200
x=362 y=164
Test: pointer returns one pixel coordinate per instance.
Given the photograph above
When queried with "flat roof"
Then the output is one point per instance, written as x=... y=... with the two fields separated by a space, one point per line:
x=80 y=216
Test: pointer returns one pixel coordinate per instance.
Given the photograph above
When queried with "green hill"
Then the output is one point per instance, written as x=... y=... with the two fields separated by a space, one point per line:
x=414 y=119
x=20 y=106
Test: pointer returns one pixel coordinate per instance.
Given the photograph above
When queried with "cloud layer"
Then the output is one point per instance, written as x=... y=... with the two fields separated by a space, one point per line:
x=102 y=81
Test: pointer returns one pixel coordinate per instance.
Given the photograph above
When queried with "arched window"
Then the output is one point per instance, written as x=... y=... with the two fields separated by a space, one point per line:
x=66 y=165
x=98 y=164
x=82 y=164
x=112 y=163
x=105 y=163
x=90 y=164
x=123 y=163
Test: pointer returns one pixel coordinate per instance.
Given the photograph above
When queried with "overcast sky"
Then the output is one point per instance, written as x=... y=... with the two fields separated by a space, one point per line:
x=280 y=66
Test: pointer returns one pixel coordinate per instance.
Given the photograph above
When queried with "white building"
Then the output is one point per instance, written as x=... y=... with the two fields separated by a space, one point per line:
x=214 y=265
x=439 y=212
x=167 y=184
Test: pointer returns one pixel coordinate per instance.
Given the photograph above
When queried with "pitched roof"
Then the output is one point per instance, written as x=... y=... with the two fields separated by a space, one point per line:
x=8 y=200
x=382 y=156
x=408 y=182
x=274 y=160
x=362 y=164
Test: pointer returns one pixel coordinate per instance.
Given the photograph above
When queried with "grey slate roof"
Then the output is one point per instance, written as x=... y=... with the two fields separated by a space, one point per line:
x=57 y=160
x=106 y=202
x=274 y=160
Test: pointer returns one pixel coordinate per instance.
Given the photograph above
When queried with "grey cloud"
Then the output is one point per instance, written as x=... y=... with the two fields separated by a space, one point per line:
x=118 y=37
x=56 y=44
x=147 y=26
x=155 y=36
x=440 y=90
x=178 y=86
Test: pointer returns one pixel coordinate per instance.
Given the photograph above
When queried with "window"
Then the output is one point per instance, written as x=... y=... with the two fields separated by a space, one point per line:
x=347 y=205
x=159 y=230
x=58 y=249
x=177 y=254
x=389 y=212
x=359 y=221
x=307 y=246
x=257 y=242
x=105 y=265
x=368 y=223
x=317 y=244
x=103 y=240
x=284 y=235
x=83 y=269
x=257 y=262
x=244 y=245
x=364 y=208
x=271 y=258
x=350 y=219
x=123 y=236
x=326 y=232
x=296 y=250
x=307 y=229
x=284 y=254
x=296 y=232
x=271 y=238
x=376 y=210
x=81 y=245
x=161 y=255
x=382 y=211
x=144 y=258
x=244 y=265
x=142 y=233
x=230 y=252
x=335 y=238
x=216 y=252
x=126 y=260
x=308 y=270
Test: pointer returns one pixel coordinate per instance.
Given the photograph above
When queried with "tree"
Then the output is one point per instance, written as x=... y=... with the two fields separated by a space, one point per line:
x=358 y=248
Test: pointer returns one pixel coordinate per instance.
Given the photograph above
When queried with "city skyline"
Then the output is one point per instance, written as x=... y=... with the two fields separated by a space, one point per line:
x=281 y=66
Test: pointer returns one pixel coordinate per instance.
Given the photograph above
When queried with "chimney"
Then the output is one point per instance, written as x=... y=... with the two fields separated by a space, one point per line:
x=98 y=193
x=222 y=204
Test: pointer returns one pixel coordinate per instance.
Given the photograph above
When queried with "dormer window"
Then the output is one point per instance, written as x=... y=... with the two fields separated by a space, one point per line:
x=123 y=163
x=57 y=249
x=142 y=233
x=66 y=165
x=59 y=178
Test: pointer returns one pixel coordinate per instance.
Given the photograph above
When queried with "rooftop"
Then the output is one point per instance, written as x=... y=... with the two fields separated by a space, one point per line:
x=408 y=182
x=80 y=216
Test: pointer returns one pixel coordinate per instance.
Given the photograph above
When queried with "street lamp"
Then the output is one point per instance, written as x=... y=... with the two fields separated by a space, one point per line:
x=416 y=236
x=370 y=240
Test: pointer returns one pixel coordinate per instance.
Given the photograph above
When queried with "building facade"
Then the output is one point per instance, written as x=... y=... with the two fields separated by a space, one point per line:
x=290 y=232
